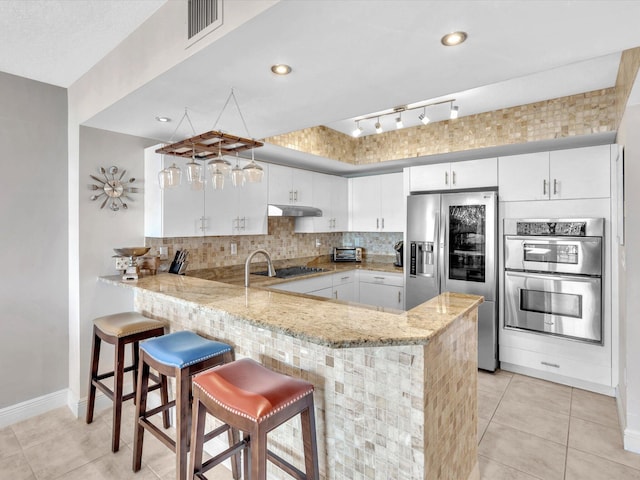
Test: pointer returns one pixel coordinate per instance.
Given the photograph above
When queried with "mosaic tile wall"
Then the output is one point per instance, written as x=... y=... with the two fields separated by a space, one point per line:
x=370 y=403
x=629 y=65
x=582 y=114
x=281 y=242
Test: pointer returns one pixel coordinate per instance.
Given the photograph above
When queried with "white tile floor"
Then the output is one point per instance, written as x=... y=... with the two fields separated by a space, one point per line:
x=528 y=429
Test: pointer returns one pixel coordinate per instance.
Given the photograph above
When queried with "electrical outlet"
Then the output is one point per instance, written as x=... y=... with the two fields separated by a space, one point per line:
x=357 y=242
x=164 y=252
x=234 y=248
x=318 y=244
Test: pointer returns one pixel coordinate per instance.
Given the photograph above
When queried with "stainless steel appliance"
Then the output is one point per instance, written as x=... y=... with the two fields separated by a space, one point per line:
x=289 y=272
x=399 y=248
x=451 y=240
x=553 y=276
x=347 y=254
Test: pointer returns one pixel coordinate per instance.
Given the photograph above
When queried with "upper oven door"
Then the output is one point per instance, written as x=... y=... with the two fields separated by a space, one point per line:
x=574 y=255
x=563 y=305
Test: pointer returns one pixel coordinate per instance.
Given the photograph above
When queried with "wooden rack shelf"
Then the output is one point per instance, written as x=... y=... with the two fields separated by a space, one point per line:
x=208 y=144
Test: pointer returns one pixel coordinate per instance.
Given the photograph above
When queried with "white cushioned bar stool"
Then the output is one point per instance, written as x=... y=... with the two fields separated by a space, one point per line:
x=119 y=330
x=180 y=355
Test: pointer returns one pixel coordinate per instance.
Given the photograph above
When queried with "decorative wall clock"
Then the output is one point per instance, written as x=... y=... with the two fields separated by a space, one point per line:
x=113 y=188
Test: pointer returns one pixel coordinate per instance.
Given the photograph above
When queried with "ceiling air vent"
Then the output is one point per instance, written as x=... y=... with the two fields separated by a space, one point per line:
x=204 y=16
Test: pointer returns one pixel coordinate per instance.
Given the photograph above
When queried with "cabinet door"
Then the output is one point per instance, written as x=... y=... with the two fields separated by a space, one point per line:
x=524 y=177
x=345 y=292
x=322 y=191
x=220 y=209
x=302 y=187
x=475 y=173
x=380 y=295
x=365 y=204
x=392 y=203
x=580 y=173
x=425 y=178
x=323 y=292
x=251 y=200
x=340 y=204
x=280 y=185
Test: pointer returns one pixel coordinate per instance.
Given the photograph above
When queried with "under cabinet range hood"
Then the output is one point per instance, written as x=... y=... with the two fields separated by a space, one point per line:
x=293 y=211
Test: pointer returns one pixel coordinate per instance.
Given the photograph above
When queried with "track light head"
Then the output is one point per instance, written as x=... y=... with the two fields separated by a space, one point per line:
x=423 y=117
x=378 y=127
x=454 y=112
x=399 y=121
x=357 y=131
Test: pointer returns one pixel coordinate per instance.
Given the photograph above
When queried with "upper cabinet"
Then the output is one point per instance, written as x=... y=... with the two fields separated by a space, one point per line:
x=329 y=194
x=449 y=176
x=557 y=175
x=290 y=186
x=184 y=212
x=377 y=203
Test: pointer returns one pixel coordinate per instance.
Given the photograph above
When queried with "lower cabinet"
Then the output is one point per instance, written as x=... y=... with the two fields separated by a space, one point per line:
x=381 y=289
x=378 y=289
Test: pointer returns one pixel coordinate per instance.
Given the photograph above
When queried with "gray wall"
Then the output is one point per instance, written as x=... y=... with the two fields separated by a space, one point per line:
x=33 y=232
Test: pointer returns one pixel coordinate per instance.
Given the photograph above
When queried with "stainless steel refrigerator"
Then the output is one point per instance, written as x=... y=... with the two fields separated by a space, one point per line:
x=451 y=247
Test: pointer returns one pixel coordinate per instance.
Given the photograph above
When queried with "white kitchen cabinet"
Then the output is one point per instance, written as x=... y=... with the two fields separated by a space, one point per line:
x=307 y=285
x=377 y=203
x=345 y=286
x=237 y=210
x=381 y=289
x=329 y=194
x=558 y=175
x=290 y=186
x=448 y=176
x=175 y=212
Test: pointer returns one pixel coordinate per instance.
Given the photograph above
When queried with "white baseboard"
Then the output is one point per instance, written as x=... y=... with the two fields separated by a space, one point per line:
x=31 y=408
x=632 y=440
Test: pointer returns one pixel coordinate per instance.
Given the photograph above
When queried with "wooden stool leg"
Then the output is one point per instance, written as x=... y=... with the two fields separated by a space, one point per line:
x=118 y=380
x=258 y=453
x=247 y=456
x=198 y=418
x=183 y=422
x=307 y=418
x=141 y=407
x=95 y=357
x=233 y=436
x=164 y=398
x=135 y=355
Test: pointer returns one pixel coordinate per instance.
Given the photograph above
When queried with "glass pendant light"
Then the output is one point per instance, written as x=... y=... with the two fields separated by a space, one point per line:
x=164 y=178
x=252 y=171
x=237 y=175
x=217 y=179
x=194 y=170
x=175 y=175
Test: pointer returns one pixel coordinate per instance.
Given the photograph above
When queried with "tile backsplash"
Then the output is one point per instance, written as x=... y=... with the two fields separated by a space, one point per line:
x=281 y=242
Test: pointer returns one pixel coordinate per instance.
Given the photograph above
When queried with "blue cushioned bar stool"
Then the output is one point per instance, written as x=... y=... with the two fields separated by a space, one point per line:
x=180 y=355
x=119 y=330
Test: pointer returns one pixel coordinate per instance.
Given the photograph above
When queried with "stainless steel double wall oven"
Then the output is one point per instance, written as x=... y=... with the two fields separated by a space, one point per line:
x=553 y=276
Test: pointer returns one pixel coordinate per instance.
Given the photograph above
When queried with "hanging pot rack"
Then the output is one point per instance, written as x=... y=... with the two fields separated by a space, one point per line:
x=208 y=145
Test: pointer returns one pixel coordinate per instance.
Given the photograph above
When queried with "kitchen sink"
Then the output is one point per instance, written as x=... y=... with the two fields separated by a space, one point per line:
x=289 y=272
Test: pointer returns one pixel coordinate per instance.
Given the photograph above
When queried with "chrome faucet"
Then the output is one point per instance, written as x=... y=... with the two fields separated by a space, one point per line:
x=272 y=271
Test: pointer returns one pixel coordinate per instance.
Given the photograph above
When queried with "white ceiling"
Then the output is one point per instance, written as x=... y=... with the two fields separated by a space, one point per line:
x=352 y=58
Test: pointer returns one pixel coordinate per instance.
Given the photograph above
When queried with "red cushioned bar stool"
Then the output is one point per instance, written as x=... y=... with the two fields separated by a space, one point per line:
x=180 y=355
x=251 y=398
x=119 y=330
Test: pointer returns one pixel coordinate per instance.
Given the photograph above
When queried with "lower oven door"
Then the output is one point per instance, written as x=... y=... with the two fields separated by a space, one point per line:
x=564 y=305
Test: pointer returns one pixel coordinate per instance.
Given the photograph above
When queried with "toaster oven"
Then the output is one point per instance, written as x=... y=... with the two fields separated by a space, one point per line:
x=347 y=254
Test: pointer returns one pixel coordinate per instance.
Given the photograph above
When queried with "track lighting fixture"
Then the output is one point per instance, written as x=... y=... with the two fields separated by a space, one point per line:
x=423 y=116
x=358 y=130
x=398 y=111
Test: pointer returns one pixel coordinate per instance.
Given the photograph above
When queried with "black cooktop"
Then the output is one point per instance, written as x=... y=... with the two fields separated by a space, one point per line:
x=289 y=272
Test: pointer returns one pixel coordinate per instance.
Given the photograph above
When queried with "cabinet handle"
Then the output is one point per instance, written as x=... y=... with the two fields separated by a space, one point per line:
x=295 y=196
x=244 y=222
x=383 y=223
x=446 y=178
x=379 y=278
x=555 y=186
x=377 y=223
x=335 y=294
x=203 y=224
x=453 y=177
x=291 y=195
x=399 y=298
x=344 y=278
x=554 y=365
x=544 y=187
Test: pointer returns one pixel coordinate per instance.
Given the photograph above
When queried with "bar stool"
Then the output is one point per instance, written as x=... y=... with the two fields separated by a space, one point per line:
x=119 y=329
x=180 y=355
x=251 y=398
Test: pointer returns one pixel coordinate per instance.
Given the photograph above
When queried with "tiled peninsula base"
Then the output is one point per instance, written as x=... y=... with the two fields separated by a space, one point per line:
x=391 y=412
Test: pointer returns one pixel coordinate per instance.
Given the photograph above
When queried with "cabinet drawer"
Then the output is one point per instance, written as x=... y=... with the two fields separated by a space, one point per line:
x=556 y=364
x=305 y=286
x=344 y=277
x=384 y=278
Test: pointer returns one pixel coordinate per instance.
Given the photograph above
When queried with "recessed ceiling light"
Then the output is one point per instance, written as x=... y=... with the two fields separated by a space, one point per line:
x=453 y=39
x=163 y=119
x=281 y=69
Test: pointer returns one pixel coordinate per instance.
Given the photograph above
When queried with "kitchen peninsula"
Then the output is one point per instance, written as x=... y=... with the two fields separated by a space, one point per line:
x=395 y=392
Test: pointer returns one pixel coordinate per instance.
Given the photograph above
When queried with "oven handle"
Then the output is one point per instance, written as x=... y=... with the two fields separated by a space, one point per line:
x=550 y=275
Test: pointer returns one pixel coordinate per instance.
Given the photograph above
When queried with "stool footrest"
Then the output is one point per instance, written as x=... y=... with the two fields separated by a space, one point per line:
x=214 y=433
x=161 y=408
x=221 y=457
x=163 y=437
x=286 y=466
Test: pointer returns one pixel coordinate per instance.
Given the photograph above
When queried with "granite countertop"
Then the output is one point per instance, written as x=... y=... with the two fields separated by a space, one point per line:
x=318 y=320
